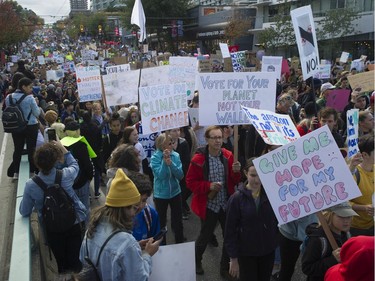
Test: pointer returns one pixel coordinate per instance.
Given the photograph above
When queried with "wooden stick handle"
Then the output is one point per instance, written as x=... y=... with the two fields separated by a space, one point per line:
x=327 y=230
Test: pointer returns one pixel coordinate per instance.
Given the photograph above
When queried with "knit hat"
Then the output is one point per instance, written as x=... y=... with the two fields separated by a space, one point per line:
x=51 y=116
x=122 y=192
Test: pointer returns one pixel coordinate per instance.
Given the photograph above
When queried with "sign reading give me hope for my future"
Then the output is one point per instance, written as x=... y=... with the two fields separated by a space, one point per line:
x=221 y=96
x=306 y=176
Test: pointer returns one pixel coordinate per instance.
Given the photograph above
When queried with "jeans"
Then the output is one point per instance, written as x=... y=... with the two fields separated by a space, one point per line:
x=207 y=229
x=29 y=135
x=176 y=216
x=83 y=194
x=256 y=268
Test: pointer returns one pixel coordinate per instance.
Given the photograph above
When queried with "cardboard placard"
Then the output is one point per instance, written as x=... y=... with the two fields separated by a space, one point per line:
x=364 y=81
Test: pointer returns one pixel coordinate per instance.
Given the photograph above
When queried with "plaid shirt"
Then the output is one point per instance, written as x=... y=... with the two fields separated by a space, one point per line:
x=216 y=174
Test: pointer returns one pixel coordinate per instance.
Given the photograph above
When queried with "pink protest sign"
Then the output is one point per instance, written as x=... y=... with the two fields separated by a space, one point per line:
x=338 y=99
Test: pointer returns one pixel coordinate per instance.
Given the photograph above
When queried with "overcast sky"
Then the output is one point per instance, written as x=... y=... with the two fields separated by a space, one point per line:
x=47 y=9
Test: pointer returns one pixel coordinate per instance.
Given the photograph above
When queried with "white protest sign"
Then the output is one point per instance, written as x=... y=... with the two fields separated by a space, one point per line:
x=306 y=176
x=344 y=57
x=174 y=262
x=59 y=60
x=89 y=83
x=163 y=107
x=304 y=28
x=147 y=141
x=41 y=60
x=120 y=86
x=54 y=75
x=222 y=94
x=224 y=50
x=155 y=76
x=118 y=68
x=68 y=66
x=358 y=64
x=193 y=116
x=324 y=72
x=272 y=64
x=274 y=128
x=352 y=132
x=183 y=69
x=238 y=61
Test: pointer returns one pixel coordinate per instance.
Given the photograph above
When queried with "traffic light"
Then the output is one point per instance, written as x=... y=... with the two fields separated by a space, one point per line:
x=81 y=27
x=100 y=29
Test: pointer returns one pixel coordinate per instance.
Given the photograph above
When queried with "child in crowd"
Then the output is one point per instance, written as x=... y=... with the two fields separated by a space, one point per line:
x=113 y=138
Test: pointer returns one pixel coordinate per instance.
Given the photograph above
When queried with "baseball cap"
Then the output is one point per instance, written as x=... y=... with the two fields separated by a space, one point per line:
x=326 y=86
x=343 y=210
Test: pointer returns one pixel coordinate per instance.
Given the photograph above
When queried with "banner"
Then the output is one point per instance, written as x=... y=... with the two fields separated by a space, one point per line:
x=352 y=132
x=89 y=83
x=304 y=28
x=338 y=99
x=238 y=61
x=222 y=94
x=306 y=176
x=324 y=72
x=121 y=85
x=182 y=257
x=163 y=107
x=272 y=64
x=364 y=81
x=274 y=128
x=183 y=70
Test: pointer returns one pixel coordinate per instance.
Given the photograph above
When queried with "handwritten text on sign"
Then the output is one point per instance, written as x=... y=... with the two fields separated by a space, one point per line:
x=352 y=132
x=274 y=128
x=306 y=176
x=163 y=107
x=222 y=94
x=89 y=83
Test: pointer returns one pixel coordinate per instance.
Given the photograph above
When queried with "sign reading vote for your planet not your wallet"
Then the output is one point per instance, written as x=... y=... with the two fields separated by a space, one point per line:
x=163 y=107
x=222 y=94
x=306 y=176
x=89 y=83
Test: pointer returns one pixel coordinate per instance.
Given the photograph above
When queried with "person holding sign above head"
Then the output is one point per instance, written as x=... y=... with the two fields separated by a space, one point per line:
x=362 y=168
x=251 y=230
x=211 y=177
x=318 y=255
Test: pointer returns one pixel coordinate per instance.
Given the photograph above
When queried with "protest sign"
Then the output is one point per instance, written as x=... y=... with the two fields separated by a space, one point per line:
x=344 y=57
x=272 y=64
x=364 y=81
x=147 y=141
x=163 y=107
x=89 y=83
x=338 y=99
x=41 y=60
x=285 y=67
x=222 y=94
x=68 y=66
x=183 y=70
x=193 y=116
x=324 y=72
x=358 y=64
x=238 y=61
x=224 y=50
x=54 y=75
x=174 y=262
x=306 y=176
x=120 y=85
x=274 y=128
x=155 y=76
x=304 y=28
x=352 y=132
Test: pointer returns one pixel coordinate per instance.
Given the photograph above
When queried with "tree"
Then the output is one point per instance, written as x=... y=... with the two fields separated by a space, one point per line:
x=237 y=27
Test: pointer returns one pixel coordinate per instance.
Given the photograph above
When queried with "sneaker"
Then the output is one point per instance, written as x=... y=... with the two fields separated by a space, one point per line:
x=213 y=242
x=15 y=176
x=97 y=195
x=199 y=269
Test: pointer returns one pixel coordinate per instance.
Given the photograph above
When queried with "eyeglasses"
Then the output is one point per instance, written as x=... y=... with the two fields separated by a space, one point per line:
x=215 y=138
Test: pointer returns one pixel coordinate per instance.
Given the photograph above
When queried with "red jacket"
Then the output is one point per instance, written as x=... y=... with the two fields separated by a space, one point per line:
x=197 y=179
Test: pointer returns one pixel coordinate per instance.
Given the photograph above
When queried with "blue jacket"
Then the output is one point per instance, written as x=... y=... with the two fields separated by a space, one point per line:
x=27 y=105
x=166 y=178
x=146 y=224
x=122 y=257
x=33 y=195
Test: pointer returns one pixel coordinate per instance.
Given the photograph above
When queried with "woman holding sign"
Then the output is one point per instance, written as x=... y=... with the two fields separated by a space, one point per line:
x=251 y=230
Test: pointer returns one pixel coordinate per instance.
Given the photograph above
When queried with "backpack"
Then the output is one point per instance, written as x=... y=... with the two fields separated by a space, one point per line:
x=12 y=117
x=58 y=209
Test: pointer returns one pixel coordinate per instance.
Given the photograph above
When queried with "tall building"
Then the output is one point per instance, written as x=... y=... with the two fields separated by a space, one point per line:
x=98 y=5
x=78 y=5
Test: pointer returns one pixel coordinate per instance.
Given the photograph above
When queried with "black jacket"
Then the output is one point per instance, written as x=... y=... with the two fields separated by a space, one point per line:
x=109 y=144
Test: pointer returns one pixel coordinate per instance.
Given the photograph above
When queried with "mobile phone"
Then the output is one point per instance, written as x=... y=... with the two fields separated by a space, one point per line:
x=51 y=133
x=161 y=234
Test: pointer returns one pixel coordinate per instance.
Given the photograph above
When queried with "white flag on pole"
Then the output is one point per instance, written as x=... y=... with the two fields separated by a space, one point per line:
x=138 y=18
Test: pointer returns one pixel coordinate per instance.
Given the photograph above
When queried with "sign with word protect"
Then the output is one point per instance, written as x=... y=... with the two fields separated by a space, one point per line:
x=89 y=83
x=121 y=85
x=274 y=128
x=306 y=176
x=304 y=28
x=222 y=94
x=352 y=132
x=163 y=107
x=272 y=64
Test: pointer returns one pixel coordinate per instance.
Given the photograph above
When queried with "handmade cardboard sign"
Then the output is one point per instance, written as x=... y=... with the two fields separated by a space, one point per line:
x=89 y=83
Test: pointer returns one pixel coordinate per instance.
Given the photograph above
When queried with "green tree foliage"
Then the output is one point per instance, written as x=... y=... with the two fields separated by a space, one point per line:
x=237 y=27
x=89 y=23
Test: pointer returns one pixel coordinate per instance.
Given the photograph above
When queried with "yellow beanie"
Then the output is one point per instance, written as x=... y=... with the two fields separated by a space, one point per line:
x=122 y=192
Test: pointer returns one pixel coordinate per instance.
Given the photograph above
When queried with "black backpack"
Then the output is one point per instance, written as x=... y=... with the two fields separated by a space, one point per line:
x=58 y=208
x=12 y=117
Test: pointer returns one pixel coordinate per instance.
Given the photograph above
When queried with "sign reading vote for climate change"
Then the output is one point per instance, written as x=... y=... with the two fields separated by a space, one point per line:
x=352 y=132
x=306 y=176
x=222 y=94
x=89 y=83
x=163 y=107
x=274 y=128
